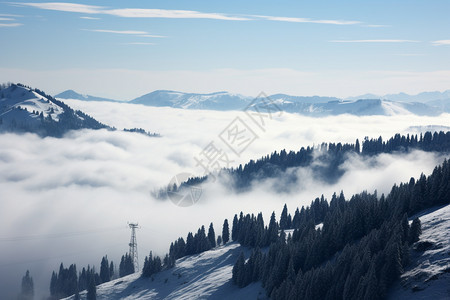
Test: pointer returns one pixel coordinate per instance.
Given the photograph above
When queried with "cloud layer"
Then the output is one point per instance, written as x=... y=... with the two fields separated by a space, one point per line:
x=70 y=199
x=170 y=14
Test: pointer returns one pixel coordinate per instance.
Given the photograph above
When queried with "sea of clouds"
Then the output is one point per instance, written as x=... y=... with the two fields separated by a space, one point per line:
x=69 y=199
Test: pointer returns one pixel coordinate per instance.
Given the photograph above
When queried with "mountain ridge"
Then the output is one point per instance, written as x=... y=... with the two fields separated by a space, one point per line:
x=314 y=106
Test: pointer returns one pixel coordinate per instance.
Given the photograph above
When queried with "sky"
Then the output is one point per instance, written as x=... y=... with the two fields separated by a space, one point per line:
x=122 y=50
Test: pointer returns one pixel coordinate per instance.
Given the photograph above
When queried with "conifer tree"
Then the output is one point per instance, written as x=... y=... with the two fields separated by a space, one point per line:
x=225 y=232
x=415 y=231
x=91 y=290
x=27 y=291
x=211 y=236
x=105 y=274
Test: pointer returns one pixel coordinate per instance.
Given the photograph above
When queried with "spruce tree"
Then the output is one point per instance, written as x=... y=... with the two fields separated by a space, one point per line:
x=415 y=231
x=105 y=274
x=225 y=232
x=235 y=229
x=211 y=236
x=284 y=218
x=219 y=240
x=91 y=290
x=27 y=291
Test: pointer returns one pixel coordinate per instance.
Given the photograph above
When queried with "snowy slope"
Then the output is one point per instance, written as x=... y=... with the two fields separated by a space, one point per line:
x=203 y=276
x=15 y=99
x=23 y=109
x=428 y=276
x=208 y=275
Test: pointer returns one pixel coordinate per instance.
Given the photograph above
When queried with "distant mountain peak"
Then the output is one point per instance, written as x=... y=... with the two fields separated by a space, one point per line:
x=71 y=94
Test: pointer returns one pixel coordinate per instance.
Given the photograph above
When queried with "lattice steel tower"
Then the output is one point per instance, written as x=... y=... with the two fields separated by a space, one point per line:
x=133 y=246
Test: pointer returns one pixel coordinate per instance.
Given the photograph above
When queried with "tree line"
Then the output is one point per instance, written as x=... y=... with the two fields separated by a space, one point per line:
x=328 y=157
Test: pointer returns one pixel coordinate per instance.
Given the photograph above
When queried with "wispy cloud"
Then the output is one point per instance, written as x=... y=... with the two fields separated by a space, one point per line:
x=152 y=36
x=441 y=43
x=139 y=43
x=6 y=19
x=376 y=25
x=129 y=32
x=374 y=41
x=89 y=18
x=10 y=24
x=306 y=20
x=131 y=12
x=132 y=32
x=67 y=7
x=11 y=15
x=172 y=14
x=409 y=54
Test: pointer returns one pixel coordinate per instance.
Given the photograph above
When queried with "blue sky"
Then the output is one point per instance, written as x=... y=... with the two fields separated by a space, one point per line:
x=122 y=49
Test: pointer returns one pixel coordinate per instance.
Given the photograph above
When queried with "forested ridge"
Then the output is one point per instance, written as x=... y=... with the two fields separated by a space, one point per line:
x=325 y=159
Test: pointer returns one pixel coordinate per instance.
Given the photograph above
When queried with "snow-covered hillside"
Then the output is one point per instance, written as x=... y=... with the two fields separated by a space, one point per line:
x=23 y=109
x=203 y=276
x=208 y=275
x=428 y=276
x=18 y=103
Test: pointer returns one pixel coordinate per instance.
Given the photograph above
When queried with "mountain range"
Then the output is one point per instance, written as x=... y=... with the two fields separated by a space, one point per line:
x=429 y=103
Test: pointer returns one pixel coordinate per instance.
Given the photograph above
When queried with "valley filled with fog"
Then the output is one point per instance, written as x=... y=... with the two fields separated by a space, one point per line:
x=69 y=199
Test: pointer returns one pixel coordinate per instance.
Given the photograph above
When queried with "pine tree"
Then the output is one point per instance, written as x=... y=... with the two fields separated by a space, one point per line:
x=284 y=218
x=111 y=270
x=219 y=240
x=225 y=232
x=235 y=229
x=27 y=291
x=273 y=229
x=91 y=290
x=238 y=272
x=211 y=236
x=105 y=275
x=415 y=231
x=53 y=284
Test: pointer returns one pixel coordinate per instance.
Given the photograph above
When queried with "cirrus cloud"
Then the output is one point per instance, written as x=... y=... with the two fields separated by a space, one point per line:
x=441 y=43
x=171 y=13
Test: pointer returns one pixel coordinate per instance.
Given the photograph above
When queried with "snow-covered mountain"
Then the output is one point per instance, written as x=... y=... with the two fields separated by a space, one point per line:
x=365 y=107
x=208 y=275
x=23 y=109
x=213 y=101
x=403 y=97
x=203 y=276
x=71 y=94
x=314 y=106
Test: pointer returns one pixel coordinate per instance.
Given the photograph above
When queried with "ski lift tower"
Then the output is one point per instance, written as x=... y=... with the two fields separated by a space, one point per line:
x=133 y=246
